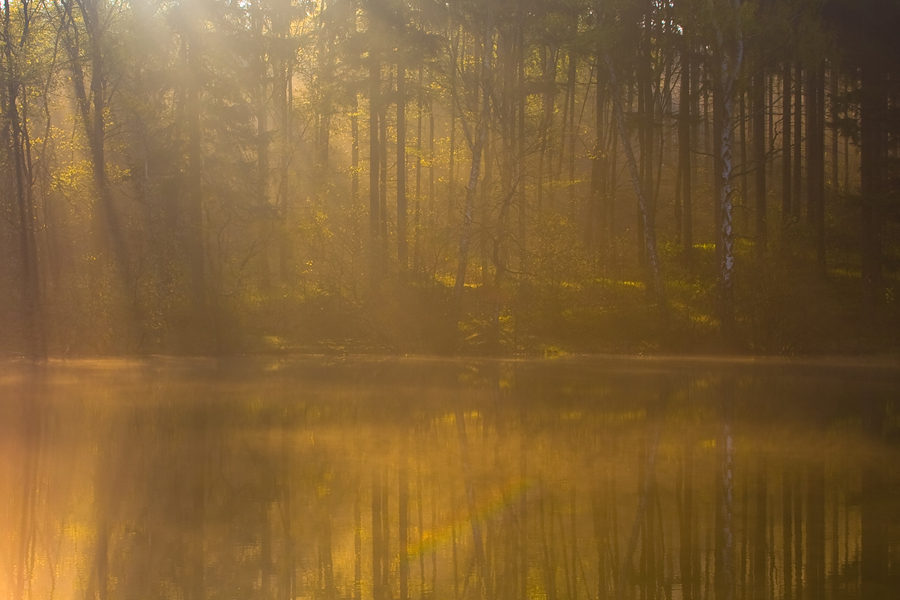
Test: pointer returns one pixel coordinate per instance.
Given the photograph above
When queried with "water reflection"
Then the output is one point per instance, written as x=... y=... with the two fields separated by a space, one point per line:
x=413 y=479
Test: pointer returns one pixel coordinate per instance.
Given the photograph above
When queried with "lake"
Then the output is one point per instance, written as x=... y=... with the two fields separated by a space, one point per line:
x=416 y=479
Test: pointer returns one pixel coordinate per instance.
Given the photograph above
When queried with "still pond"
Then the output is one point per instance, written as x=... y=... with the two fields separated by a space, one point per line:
x=427 y=479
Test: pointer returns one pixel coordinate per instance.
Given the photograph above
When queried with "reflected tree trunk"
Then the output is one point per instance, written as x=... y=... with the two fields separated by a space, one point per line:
x=477 y=146
x=760 y=522
x=798 y=535
x=198 y=506
x=815 y=532
x=874 y=511
x=787 y=532
x=724 y=578
x=403 y=520
x=377 y=582
x=357 y=542
x=474 y=519
x=21 y=564
x=647 y=473
x=685 y=491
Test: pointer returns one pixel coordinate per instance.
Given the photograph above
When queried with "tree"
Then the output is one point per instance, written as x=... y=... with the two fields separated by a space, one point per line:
x=728 y=57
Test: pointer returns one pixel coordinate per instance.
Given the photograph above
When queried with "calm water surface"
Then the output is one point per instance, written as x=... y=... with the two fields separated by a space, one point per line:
x=413 y=479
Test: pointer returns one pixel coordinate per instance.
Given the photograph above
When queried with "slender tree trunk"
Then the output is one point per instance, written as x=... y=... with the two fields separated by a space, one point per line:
x=716 y=165
x=812 y=119
x=478 y=145
x=684 y=153
x=759 y=155
x=451 y=174
x=549 y=63
x=729 y=67
x=383 y=174
x=872 y=158
x=374 y=166
x=196 y=250
x=354 y=127
x=815 y=159
x=654 y=279
x=483 y=208
x=786 y=164
x=418 y=195
x=598 y=162
x=286 y=101
x=820 y=170
x=744 y=196
x=522 y=105
x=643 y=165
x=262 y=144
x=798 y=140
x=835 y=156
x=570 y=128
x=402 y=242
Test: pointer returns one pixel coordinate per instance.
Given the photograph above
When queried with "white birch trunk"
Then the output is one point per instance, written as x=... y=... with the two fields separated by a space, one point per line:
x=730 y=57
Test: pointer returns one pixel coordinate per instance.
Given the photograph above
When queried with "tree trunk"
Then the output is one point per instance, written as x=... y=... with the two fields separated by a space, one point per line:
x=815 y=159
x=417 y=203
x=286 y=100
x=522 y=104
x=402 y=242
x=745 y=164
x=474 y=173
x=759 y=155
x=374 y=167
x=451 y=168
x=685 y=104
x=598 y=161
x=798 y=141
x=17 y=140
x=654 y=278
x=264 y=223
x=786 y=164
x=729 y=67
x=819 y=181
x=569 y=151
x=872 y=157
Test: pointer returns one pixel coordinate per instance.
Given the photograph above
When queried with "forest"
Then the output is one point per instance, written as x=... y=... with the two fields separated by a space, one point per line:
x=500 y=177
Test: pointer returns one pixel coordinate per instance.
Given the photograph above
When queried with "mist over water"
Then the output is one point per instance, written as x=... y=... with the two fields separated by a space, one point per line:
x=399 y=478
